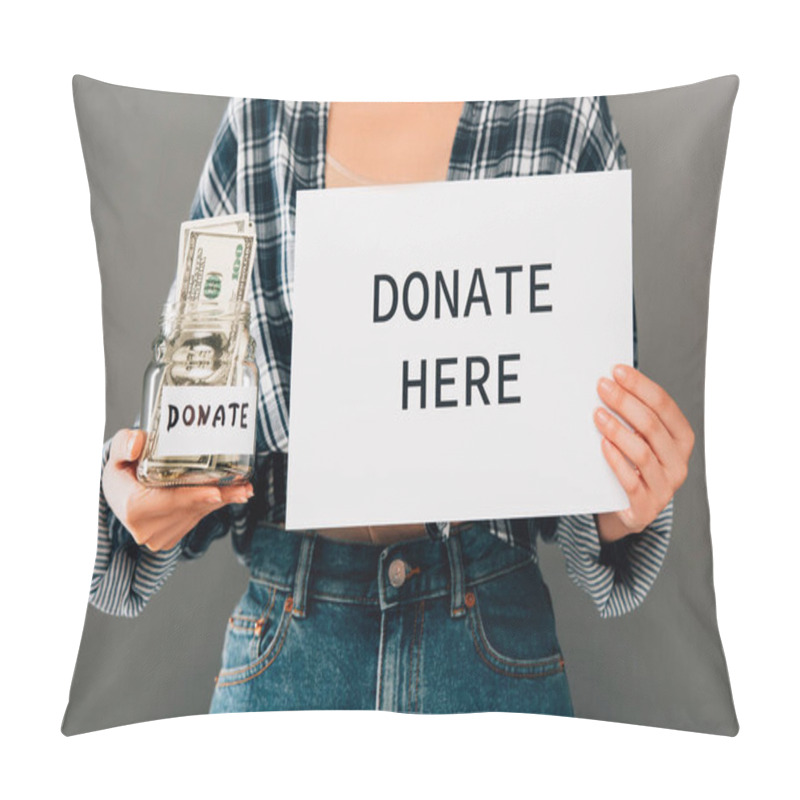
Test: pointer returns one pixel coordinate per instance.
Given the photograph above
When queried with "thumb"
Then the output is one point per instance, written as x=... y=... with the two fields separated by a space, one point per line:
x=136 y=444
x=127 y=445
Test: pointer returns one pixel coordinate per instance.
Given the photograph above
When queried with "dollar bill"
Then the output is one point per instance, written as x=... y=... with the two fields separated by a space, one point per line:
x=216 y=269
x=229 y=223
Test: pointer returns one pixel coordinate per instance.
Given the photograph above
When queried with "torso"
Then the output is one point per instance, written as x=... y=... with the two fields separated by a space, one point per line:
x=388 y=143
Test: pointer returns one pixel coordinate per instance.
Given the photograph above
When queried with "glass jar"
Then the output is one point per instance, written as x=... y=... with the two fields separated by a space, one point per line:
x=199 y=398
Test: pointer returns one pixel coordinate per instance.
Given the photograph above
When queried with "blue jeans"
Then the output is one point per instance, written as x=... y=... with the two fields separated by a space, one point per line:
x=417 y=626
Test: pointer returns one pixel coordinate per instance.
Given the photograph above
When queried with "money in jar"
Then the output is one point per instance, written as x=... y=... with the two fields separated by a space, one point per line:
x=199 y=397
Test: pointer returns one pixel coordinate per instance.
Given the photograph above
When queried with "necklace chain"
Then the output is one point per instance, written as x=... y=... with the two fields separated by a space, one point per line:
x=339 y=167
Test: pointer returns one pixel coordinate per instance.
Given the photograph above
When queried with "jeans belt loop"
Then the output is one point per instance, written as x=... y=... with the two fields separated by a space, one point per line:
x=457 y=579
x=300 y=592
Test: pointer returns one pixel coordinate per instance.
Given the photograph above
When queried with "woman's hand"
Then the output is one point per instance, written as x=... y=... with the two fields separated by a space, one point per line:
x=652 y=460
x=158 y=518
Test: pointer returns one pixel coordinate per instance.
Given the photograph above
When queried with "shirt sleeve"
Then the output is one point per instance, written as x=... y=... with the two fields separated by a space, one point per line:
x=619 y=575
x=216 y=191
x=599 y=146
x=125 y=575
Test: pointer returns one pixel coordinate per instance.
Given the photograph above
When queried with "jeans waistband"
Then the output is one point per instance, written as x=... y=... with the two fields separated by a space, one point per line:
x=312 y=566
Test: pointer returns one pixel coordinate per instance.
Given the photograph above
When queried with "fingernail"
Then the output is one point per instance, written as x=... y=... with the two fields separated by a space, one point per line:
x=130 y=445
x=620 y=372
x=602 y=415
x=213 y=498
x=606 y=384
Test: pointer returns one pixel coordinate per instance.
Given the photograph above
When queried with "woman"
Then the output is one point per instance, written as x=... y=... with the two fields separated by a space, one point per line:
x=437 y=617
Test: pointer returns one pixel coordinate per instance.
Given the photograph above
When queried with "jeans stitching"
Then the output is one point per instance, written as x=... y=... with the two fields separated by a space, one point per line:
x=501 y=572
x=536 y=667
x=242 y=622
x=375 y=600
x=266 y=614
x=280 y=637
x=246 y=623
x=379 y=688
x=225 y=684
x=411 y=653
x=244 y=617
x=334 y=597
x=419 y=654
x=284 y=587
x=507 y=673
x=302 y=575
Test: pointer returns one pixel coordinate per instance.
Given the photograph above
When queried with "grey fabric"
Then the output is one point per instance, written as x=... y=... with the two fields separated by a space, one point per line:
x=661 y=665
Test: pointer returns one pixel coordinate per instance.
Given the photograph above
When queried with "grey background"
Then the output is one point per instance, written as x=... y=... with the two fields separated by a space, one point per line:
x=660 y=665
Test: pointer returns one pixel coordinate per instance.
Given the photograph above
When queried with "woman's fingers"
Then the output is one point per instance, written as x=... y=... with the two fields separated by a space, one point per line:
x=158 y=517
x=182 y=500
x=119 y=476
x=126 y=445
x=658 y=401
x=643 y=419
x=650 y=459
x=184 y=506
x=634 y=447
x=627 y=474
x=240 y=493
x=156 y=502
x=647 y=424
x=662 y=424
x=167 y=527
x=631 y=482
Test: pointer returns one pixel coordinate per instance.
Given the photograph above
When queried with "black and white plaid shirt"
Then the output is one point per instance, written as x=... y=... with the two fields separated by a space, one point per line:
x=263 y=153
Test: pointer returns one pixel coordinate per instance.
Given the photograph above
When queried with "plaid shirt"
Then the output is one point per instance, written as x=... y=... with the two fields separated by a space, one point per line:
x=263 y=153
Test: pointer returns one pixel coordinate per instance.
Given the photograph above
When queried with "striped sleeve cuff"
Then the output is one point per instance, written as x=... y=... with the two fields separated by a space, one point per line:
x=125 y=576
x=619 y=575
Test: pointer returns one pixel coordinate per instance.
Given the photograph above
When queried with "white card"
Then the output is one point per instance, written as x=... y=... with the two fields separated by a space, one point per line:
x=207 y=420
x=356 y=455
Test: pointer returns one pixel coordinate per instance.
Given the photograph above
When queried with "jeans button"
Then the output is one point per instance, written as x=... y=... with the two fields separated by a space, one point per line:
x=397 y=572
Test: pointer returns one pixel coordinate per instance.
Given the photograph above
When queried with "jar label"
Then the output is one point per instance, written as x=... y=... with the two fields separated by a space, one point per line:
x=207 y=420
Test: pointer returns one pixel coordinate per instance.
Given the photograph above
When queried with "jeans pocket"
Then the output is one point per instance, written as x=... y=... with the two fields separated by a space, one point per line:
x=255 y=633
x=512 y=625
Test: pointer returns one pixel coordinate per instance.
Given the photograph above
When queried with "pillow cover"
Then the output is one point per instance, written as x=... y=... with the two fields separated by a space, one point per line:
x=640 y=642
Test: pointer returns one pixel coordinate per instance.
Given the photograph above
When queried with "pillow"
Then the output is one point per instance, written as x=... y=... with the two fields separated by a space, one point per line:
x=636 y=639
